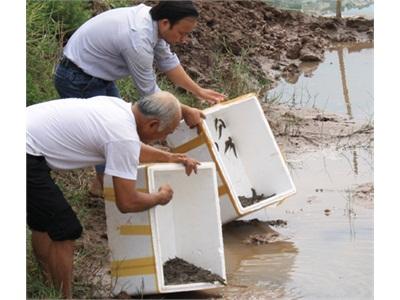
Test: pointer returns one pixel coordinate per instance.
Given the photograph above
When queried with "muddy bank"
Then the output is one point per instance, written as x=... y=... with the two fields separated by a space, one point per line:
x=307 y=129
x=278 y=39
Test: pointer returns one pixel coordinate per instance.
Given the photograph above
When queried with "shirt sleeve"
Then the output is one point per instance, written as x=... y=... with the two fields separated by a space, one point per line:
x=139 y=59
x=122 y=158
x=165 y=59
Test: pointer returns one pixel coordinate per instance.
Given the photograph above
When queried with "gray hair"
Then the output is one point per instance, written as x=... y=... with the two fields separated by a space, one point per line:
x=161 y=105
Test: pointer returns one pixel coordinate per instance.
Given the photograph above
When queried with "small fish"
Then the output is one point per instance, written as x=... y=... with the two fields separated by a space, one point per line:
x=222 y=125
x=216 y=145
x=219 y=127
x=234 y=149
x=229 y=144
x=253 y=194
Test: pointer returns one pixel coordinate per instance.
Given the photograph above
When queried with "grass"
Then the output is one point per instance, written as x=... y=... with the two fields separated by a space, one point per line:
x=47 y=23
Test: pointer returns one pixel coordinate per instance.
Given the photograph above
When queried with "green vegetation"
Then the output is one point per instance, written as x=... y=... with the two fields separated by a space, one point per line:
x=47 y=23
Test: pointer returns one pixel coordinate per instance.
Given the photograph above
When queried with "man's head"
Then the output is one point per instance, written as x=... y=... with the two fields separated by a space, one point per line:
x=157 y=116
x=176 y=20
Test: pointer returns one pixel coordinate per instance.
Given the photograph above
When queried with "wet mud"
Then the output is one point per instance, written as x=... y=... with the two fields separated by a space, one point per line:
x=179 y=271
x=260 y=232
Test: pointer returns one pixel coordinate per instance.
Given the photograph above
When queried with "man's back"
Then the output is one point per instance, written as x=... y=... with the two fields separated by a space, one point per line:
x=74 y=133
x=97 y=45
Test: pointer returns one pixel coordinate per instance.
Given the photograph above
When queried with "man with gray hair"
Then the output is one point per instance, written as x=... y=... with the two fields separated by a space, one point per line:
x=75 y=133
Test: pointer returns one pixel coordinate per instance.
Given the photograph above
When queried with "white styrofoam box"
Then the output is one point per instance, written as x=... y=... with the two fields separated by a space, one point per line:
x=188 y=227
x=258 y=162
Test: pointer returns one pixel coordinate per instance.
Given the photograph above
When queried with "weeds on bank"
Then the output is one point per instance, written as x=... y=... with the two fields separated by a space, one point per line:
x=234 y=75
x=47 y=23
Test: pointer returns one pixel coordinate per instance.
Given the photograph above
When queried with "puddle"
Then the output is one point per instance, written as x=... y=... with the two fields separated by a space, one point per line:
x=362 y=8
x=342 y=84
x=328 y=252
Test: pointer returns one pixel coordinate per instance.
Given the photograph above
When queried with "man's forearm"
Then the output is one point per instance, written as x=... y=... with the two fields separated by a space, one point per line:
x=180 y=78
x=149 y=154
x=139 y=202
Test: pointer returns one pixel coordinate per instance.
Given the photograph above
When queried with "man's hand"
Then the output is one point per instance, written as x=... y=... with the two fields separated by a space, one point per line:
x=210 y=96
x=192 y=116
x=189 y=163
x=165 y=194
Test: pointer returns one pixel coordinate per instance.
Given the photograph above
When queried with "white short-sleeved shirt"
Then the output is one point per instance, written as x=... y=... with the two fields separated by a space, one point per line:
x=121 y=42
x=76 y=133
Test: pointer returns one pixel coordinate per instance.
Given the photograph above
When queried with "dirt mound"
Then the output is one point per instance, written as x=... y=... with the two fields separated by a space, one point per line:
x=255 y=30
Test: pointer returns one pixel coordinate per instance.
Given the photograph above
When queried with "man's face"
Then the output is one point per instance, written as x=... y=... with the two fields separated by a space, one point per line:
x=151 y=133
x=177 y=34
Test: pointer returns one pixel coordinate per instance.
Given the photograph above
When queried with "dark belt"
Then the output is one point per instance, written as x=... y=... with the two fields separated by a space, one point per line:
x=68 y=63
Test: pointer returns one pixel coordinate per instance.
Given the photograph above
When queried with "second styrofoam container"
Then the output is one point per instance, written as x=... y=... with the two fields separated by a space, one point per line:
x=188 y=227
x=255 y=163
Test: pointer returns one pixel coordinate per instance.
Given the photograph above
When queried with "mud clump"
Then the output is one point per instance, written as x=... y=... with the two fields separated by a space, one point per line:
x=278 y=223
x=363 y=195
x=257 y=222
x=179 y=271
x=259 y=232
x=258 y=239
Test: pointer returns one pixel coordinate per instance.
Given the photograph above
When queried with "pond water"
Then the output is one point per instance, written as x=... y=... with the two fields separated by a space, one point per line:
x=328 y=247
x=342 y=83
x=350 y=8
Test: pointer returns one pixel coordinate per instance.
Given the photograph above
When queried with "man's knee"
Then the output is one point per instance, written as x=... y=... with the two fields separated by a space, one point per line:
x=66 y=226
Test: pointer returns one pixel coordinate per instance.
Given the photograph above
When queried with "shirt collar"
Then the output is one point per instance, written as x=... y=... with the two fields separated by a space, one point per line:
x=155 y=31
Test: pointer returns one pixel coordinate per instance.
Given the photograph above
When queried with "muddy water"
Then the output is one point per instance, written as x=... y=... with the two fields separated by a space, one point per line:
x=360 y=8
x=326 y=249
x=342 y=83
x=327 y=246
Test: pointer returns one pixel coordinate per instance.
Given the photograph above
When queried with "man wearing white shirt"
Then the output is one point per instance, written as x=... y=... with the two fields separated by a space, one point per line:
x=129 y=41
x=75 y=133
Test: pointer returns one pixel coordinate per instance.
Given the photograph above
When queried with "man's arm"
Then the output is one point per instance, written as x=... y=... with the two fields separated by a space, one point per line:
x=128 y=199
x=180 y=78
x=140 y=64
x=191 y=115
x=149 y=154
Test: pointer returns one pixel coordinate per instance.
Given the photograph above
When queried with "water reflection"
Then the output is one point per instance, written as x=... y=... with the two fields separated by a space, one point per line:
x=363 y=8
x=331 y=231
x=342 y=84
x=257 y=270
